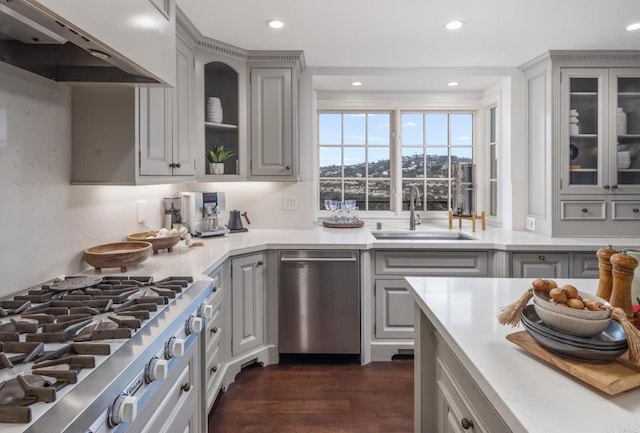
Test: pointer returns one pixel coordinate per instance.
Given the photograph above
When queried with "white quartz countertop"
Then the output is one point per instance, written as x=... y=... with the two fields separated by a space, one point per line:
x=530 y=395
x=202 y=260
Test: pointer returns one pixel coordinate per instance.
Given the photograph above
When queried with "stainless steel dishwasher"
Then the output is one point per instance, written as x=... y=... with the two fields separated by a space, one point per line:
x=319 y=302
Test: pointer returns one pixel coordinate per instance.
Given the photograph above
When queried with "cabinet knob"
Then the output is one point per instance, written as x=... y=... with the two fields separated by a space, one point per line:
x=541 y=258
x=178 y=165
x=214 y=369
x=215 y=289
x=466 y=423
x=185 y=387
x=171 y=165
x=260 y=263
x=605 y=186
x=287 y=168
x=635 y=210
x=585 y=210
x=614 y=186
x=214 y=329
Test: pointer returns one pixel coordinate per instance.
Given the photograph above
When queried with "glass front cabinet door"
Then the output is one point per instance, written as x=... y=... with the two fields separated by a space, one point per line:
x=583 y=130
x=624 y=118
x=600 y=131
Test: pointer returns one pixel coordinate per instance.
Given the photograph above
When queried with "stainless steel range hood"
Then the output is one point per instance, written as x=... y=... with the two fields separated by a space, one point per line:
x=31 y=39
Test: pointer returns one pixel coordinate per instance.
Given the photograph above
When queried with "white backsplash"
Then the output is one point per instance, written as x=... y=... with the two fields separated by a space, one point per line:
x=46 y=223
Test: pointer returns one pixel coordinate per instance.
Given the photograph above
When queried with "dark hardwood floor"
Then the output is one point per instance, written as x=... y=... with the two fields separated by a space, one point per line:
x=313 y=397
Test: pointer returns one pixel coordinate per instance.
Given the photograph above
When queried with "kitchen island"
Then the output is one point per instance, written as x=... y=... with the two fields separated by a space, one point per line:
x=467 y=374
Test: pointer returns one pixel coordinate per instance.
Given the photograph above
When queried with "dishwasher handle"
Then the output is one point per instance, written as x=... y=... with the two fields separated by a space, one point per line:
x=316 y=259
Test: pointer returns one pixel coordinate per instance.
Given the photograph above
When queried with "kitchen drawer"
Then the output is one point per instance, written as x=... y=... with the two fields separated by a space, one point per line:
x=435 y=263
x=213 y=330
x=212 y=373
x=585 y=265
x=539 y=265
x=625 y=210
x=583 y=210
x=466 y=398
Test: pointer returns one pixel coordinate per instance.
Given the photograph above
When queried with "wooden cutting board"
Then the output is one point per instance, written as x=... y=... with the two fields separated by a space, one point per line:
x=612 y=378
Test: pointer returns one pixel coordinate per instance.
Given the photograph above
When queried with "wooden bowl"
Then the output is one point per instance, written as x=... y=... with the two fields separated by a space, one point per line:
x=118 y=255
x=156 y=243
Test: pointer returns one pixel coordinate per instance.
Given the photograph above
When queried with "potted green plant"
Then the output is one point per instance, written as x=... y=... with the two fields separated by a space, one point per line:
x=216 y=157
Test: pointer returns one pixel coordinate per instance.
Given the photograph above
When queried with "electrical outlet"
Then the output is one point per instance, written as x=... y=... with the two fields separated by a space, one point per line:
x=142 y=210
x=531 y=223
x=290 y=202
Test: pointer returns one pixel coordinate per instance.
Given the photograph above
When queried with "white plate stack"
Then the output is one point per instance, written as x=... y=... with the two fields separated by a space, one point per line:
x=214 y=110
x=573 y=122
x=624 y=159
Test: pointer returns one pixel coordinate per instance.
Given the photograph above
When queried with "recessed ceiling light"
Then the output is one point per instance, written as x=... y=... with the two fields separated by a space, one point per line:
x=452 y=83
x=356 y=83
x=275 y=24
x=634 y=26
x=454 y=25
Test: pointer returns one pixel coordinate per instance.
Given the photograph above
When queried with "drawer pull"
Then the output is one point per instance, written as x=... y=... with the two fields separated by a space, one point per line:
x=214 y=369
x=215 y=289
x=605 y=186
x=466 y=423
x=185 y=387
x=635 y=210
x=585 y=210
x=541 y=258
x=214 y=329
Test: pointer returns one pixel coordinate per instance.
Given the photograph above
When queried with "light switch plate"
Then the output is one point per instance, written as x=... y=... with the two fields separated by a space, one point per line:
x=531 y=223
x=289 y=202
x=142 y=210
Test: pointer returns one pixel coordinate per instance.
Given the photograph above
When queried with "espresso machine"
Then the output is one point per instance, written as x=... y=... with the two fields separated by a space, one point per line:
x=204 y=213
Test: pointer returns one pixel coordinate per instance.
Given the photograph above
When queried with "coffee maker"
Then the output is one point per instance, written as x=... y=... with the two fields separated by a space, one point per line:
x=204 y=213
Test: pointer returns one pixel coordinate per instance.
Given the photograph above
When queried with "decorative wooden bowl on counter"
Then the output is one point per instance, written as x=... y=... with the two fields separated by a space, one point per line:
x=118 y=254
x=166 y=243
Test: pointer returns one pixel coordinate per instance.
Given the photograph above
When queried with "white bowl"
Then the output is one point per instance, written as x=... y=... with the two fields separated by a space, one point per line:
x=542 y=300
x=571 y=325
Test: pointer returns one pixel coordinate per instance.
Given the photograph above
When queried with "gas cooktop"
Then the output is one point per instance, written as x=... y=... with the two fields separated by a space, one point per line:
x=60 y=333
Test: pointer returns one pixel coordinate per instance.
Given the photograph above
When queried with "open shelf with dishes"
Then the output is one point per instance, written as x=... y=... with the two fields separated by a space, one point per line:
x=221 y=116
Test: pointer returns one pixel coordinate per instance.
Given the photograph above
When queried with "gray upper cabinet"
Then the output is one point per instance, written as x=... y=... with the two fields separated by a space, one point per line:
x=583 y=142
x=272 y=121
x=135 y=136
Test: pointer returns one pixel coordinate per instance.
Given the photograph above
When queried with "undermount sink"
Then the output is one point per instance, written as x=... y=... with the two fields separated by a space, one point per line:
x=418 y=235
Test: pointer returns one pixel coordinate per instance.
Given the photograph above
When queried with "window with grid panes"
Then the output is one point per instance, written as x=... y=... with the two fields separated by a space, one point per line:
x=493 y=161
x=354 y=154
x=431 y=142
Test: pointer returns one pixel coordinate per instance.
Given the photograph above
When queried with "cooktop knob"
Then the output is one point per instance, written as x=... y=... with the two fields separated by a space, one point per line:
x=174 y=348
x=194 y=325
x=157 y=369
x=124 y=409
x=206 y=311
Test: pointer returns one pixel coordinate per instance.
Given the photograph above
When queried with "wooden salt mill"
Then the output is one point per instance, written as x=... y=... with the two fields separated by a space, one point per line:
x=623 y=266
x=605 y=284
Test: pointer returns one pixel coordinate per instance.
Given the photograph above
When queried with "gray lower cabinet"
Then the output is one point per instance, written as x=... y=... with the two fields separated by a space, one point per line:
x=585 y=265
x=393 y=327
x=214 y=335
x=539 y=265
x=248 y=311
x=394 y=310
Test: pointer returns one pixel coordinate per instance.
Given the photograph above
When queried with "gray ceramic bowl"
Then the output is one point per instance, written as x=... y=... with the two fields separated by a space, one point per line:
x=612 y=338
x=571 y=325
x=573 y=352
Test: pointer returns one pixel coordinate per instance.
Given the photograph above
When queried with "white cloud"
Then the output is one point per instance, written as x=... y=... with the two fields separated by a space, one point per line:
x=410 y=124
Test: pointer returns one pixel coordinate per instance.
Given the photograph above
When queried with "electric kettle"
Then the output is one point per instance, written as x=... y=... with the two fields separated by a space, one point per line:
x=235 y=222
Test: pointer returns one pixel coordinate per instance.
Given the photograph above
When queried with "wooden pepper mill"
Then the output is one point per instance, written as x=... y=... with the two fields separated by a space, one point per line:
x=605 y=284
x=623 y=266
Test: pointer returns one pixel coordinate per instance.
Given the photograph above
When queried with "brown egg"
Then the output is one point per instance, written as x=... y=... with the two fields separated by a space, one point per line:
x=540 y=285
x=570 y=291
x=558 y=295
x=575 y=303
